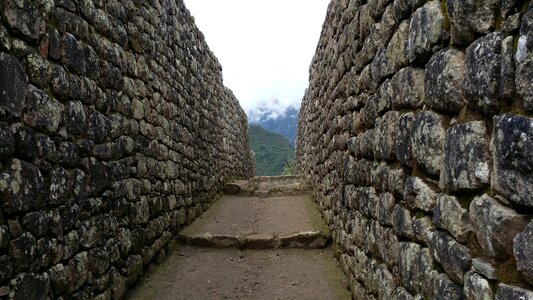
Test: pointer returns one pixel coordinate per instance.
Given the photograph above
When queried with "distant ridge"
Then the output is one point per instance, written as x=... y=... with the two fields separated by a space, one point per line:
x=272 y=151
x=284 y=123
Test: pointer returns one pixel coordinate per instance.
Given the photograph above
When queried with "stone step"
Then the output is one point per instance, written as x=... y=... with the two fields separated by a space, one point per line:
x=304 y=240
x=269 y=186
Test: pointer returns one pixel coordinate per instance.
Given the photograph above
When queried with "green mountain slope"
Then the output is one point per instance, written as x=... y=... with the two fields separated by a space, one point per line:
x=272 y=151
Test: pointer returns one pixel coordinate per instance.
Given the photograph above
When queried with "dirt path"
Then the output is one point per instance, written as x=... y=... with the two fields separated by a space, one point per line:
x=205 y=273
x=234 y=273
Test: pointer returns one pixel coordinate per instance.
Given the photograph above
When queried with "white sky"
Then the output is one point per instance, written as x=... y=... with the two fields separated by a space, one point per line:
x=265 y=46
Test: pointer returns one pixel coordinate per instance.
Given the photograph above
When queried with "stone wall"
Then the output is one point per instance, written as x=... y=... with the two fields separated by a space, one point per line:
x=115 y=131
x=417 y=133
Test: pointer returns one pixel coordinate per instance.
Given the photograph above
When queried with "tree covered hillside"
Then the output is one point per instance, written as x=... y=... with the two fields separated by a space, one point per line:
x=272 y=151
x=284 y=123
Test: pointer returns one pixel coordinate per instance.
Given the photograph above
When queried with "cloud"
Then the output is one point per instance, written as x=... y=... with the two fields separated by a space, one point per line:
x=264 y=47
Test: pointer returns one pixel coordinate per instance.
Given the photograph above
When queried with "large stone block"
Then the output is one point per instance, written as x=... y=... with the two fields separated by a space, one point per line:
x=44 y=113
x=31 y=286
x=70 y=278
x=408 y=88
x=483 y=61
x=72 y=54
x=404 y=147
x=442 y=288
x=8 y=141
x=512 y=143
x=445 y=78
x=419 y=195
x=509 y=292
x=394 y=57
x=22 y=251
x=468 y=17
x=75 y=118
x=415 y=265
x=385 y=136
x=495 y=226
x=428 y=140
x=13 y=86
x=523 y=252
x=6 y=268
x=454 y=257
x=451 y=216
x=467 y=159
x=476 y=287
x=22 y=187
x=427 y=32
x=24 y=17
x=402 y=222
x=524 y=60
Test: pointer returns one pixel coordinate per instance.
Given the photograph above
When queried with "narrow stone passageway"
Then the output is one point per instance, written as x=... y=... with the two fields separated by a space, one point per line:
x=264 y=239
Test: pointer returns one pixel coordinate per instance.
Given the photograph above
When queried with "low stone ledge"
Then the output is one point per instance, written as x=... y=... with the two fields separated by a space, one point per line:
x=259 y=241
x=305 y=240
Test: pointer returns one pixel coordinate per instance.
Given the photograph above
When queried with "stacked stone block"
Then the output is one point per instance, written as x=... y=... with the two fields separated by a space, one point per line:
x=115 y=131
x=417 y=131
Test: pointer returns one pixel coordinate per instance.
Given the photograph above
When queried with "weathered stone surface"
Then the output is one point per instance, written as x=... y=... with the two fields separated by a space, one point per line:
x=408 y=88
x=13 y=86
x=385 y=136
x=421 y=227
x=21 y=186
x=454 y=257
x=483 y=61
x=39 y=70
x=507 y=87
x=75 y=118
x=444 y=82
x=4 y=236
x=495 y=226
x=22 y=251
x=415 y=265
x=427 y=32
x=428 y=141
x=25 y=18
x=259 y=241
x=31 y=286
x=524 y=82
x=484 y=268
x=401 y=294
x=36 y=223
x=477 y=287
x=402 y=222
x=467 y=159
x=5 y=268
x=442 y=288
x=45 y=114
x=508 y=292
x=419 y=195
x=72 y=54
x=451 y=216
x=469 y=17
x=442 y=139
x=8 y=142
x=512 y=172
x=404 y=146
x=69 y=137
x=389 y=60
x=523 y=251
x=25 y=142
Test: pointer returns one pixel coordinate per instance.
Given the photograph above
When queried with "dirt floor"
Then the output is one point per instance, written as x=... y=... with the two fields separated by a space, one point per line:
x=241 y=216
x=232 y=273
x=204 y=273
